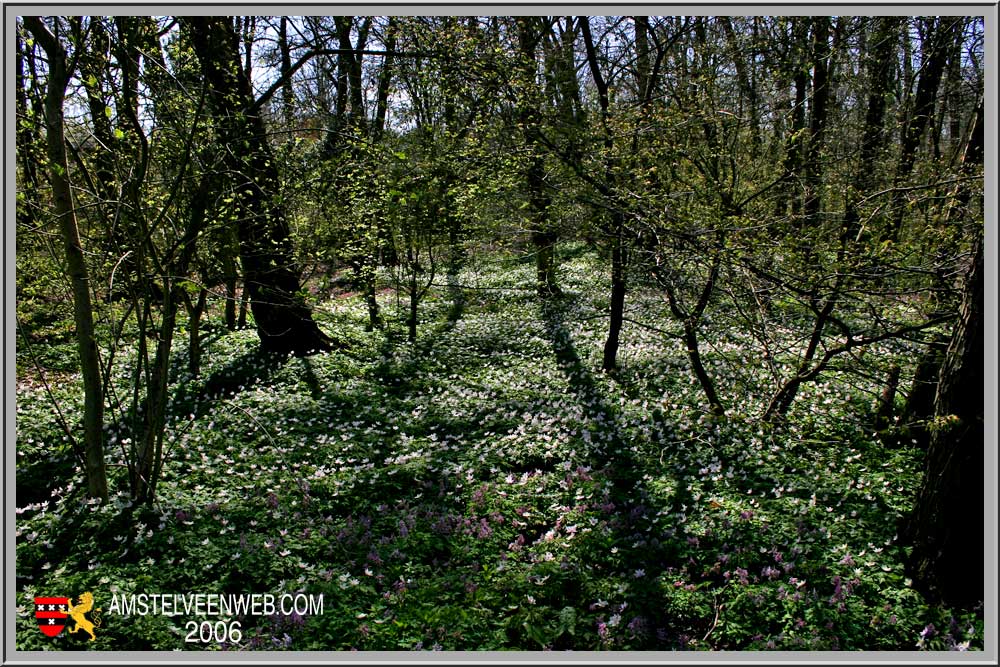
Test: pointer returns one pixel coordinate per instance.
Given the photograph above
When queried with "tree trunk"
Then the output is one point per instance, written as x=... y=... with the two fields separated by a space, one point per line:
x=545 y=262
x=920 y=400
x=886 y=407
x=384 y=81
x=934 y=55
x=972 y=161
x=617 y=316
x=27 y=136
x=782 y=400
x=817 y=128
x=411 y=320
x=879 y=64
x=374 y=316
x=616 y=228
x=946 y=526
x=287 y=93
x=791 y=204
x=542 y=237
x=195 y=309
x=283 y=319
x=704 y=379
x=241 y=322
x=65 y=213
x=748 y=90
x=148 y=459
x=229 y=268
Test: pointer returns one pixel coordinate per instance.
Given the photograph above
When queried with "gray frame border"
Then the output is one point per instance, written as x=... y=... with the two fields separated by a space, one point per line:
x=888 y=7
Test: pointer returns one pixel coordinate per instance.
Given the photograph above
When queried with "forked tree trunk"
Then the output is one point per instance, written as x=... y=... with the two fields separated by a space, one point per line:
x=83 y=314
x=271 y=278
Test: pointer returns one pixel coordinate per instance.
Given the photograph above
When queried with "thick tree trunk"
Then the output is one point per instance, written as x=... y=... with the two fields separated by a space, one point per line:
x=65 y=213
x=284 y=321
x=946 y=526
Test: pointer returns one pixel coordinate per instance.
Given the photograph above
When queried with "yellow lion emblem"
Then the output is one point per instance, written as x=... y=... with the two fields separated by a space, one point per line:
x=77 y=611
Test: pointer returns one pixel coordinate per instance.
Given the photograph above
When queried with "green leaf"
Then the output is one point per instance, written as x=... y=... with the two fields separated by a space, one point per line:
x=119 y=134
x=108 y=111
x=567 y=620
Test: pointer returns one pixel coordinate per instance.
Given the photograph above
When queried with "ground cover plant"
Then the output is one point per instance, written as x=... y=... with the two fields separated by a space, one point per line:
x=500 y=332
x=486 y=489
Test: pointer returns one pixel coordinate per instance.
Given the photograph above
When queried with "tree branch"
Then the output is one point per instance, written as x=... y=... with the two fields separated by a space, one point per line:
x=286 y=76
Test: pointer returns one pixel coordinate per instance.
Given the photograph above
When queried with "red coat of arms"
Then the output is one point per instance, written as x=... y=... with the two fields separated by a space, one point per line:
x=51 y=614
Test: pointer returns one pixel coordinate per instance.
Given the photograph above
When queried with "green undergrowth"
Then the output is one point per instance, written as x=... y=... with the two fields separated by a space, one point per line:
x=489 y=488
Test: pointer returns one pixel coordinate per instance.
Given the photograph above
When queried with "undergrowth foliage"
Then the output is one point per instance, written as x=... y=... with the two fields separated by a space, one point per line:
x=488 y=488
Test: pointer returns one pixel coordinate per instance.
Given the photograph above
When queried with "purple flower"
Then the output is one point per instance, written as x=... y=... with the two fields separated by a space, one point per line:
x=637 y=626
x=838 y=590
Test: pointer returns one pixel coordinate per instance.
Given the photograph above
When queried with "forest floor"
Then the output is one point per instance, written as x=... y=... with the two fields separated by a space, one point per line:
x=489 y=488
